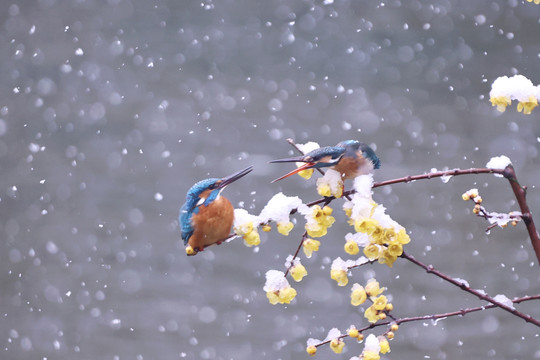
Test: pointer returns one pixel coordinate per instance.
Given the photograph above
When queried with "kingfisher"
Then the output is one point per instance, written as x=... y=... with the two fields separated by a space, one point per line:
x=351 y=158
x=206 y=217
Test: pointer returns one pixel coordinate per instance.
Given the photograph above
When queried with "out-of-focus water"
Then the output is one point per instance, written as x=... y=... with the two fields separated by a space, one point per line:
x=111 y=110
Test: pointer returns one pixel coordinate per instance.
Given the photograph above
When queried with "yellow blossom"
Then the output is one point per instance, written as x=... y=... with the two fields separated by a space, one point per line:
x=286 y=295
x=323 y=189
x=383 y=343
x=373 y=288
x=394 y=327
x=402 y=237
x=348 y=211
x=189 y=250
x=252 y=238
x=266 y=228
x=337 y=345
x=371 y=315
x=358 y=296
x=298 y=272
x=387 y=258
x=282 y=296
x=370 y=355
x=465 y=196
x=310 y=245
x=327 y=210
x=272 y=297
x=353 y=332
x=306 y=174
x=366 y=225
x=315 y=230
x=351 y=247
x=501 y=102
x=244 y=228
x=380 y=303
x=340 y=276
x=372 y=251
x=395 y=248
x=311 y=350
x=285 y=228
x=389 y=307
x=390 y=335
x=527 y=106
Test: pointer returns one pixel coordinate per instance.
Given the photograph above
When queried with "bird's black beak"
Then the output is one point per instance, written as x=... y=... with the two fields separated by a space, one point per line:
x=232 y=178
x=292 y=159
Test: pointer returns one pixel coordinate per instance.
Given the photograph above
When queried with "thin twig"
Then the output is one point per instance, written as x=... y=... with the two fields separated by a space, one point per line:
x=431 y=270
x=461 y=312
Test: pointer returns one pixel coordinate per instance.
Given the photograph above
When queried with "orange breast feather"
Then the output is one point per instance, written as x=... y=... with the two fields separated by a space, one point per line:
x=212 y=223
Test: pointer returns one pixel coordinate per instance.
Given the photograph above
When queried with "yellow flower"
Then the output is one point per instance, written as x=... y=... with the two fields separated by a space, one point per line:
x=244 y=229
x=403 y=237
x=370 y=355
x=266 y=228
x=310 y=245
x=390 y=335
x=337 y=345
x=189 y=250
x=383 y=343
x=340 y=276
x=327 y=210
x=315 y=229
x=311 y=350
x=366 y=225
x=272 y=297
x=466 y=196
x=323 y=189
x=527 y=106
x=394 y=327
x=373 y=288
x=298 y=272
x=358 y=296
x=353 y=332
x=395 y=248
x=252 y=238
x=380 y=303
x=387 y=258
x=348 y=211
x=371 y=315
x=306 y=174
x=351 y=247
x=501 y=102
x=285 y=228
x=372 y=251
x=286 y=295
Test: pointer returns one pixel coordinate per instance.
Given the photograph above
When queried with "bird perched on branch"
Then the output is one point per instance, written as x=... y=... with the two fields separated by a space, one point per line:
x=351 y=158
x=206 y=217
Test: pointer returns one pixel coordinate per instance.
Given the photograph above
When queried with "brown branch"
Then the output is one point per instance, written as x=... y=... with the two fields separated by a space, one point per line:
x=520 y=193
x=304 y=237
x=431 y=270
x=461 y=312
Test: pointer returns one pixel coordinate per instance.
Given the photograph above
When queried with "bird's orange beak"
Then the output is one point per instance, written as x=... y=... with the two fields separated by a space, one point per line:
x=307 y=165
x=237 y=175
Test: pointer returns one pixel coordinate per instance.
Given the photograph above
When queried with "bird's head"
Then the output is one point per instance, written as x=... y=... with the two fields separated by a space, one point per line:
x=319 y=158
x=352 y=147
x=206 y=191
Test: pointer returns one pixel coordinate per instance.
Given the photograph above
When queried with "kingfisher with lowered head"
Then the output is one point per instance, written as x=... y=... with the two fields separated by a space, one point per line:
x=206 y=217
x=351 y=158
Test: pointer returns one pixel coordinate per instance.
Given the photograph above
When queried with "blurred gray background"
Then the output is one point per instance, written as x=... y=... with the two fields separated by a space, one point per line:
x=111 y=110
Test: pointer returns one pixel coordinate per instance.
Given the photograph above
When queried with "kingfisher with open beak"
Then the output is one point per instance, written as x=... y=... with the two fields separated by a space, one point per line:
x=350 y=158
x=206 y=217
